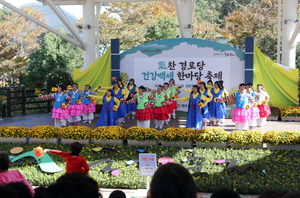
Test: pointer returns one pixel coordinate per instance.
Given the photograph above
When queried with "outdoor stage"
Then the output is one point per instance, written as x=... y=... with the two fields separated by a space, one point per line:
x=45 y=119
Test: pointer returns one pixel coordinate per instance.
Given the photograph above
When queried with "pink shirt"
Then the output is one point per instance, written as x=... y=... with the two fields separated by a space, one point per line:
x=14 y=176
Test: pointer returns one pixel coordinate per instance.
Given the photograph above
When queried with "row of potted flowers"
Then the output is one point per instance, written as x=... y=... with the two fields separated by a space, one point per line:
x=286 y=114
x=137 y=134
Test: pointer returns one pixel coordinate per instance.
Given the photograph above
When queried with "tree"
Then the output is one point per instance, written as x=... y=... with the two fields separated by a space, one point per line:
x=53 y=53
x=58 y=77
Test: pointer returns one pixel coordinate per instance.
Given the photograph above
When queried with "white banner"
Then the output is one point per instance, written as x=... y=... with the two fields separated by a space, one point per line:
x=151 y=72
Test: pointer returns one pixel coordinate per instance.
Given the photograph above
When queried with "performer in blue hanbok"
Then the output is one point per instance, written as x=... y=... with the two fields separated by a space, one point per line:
x=131 y=106
x=110 y=105
x=205 y=110
x=196 y=102
x=217 y=106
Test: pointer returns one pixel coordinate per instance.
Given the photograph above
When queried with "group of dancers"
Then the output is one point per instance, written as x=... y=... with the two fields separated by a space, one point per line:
x=207 y=104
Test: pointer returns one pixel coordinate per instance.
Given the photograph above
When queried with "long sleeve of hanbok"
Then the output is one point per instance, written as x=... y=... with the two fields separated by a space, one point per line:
x=117 y=102
x=186 y=98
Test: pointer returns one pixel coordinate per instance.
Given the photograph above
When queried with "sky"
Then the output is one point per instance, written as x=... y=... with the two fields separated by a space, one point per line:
x=75 y=10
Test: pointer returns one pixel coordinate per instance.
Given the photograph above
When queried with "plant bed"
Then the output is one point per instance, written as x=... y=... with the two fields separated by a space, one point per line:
x=43 y=141
x=213 y=137
x=272 y=118
x=282 y=168
x=211 y=144
x=239 y=146
x=294 y=147
x=290 y=118
x=108 y=142
x=141 y=143
x=177 y=144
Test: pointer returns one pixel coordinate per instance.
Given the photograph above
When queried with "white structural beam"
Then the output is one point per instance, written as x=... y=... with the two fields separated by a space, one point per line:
x=279 y=28
x=294 y=35
x=65 y=21
x=24 y=14
x=289 y=16
x=97 y=24
x=185 y=12
x=89 y=33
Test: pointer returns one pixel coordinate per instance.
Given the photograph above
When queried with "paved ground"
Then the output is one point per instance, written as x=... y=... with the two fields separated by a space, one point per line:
x=45 y=119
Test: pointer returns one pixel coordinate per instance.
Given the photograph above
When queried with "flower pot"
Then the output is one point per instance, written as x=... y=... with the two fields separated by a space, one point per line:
x=38 y=90
x=141 y=143
x=290 y=118
x=272 y=118
x=42 y=141
x=257 y=146
x=177 y=144
x=9 y=139
x=283 y=146
x=211 y=144
x=108 y=142
x=70 y=141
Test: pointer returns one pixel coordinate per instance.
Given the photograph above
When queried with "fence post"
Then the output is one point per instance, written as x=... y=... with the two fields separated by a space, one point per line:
x=3 y=113
x=8 y=101
x=23 y=100
x=48 y=106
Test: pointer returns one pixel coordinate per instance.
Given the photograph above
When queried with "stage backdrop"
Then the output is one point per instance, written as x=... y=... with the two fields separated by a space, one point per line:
x=185 y=60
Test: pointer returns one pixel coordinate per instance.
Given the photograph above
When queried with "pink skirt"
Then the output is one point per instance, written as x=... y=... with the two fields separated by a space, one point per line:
x=264 y=111
x=90 y=108
x=254 y=113
x=75 y=110
x=160 y=113
x=240 y=115
x=59 y=113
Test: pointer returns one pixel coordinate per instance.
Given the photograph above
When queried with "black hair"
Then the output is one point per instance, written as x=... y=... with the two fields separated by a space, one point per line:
x=120 y=80
x=160 y=86
x=75 y=85
x=167 y=84
x=75 y=185
x=143 y=88
x=172 y=180
x=197 y=87
x=219 y=84
x=204 y=84
x=293 y=195
x=40 y=192
x=61 y=87
x=88 y=86
x=224 y=193
x=172 y=80
x=76 y=148
x=249 y=85
x=7 y=192
x=132 y=81
x=117 y=84
x=117 y=194
x=21 y=189
x=243 y=85
x=210 y=81
x=111 y=92
x=270 y=194
x=4 y=161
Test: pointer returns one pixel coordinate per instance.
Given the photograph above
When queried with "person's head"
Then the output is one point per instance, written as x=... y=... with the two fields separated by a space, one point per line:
x=195 y=89
x=76 y=148
x=270 y=194
x=242 y=87
x=108 y=93
x=218 y=85
x=142 y=90
x=21 y=189
x=119 y=80
x=172 y=180
x=40 y=192
x=172 y=82
x=224 y=193
x=202 y=86
x=293 y=195
x=75 y=86
x=4 y=162
x=166 y=86
x=159 y=88
x=60 y=88
x=221 y=82
x=210 y=82
x=116 y=85
x=74 y=185
x=249 y=87
x=87 y=87
x=117 y=194
x=131 y=82
x=260 y=88
x=7 y=192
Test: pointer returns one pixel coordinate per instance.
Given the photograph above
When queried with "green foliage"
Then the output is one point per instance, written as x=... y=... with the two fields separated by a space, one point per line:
x=164 y=28
x=282 y=137
x=246 y=137
x=58 y=77
x=54 y=53
x=5 y=13
x=282 y=172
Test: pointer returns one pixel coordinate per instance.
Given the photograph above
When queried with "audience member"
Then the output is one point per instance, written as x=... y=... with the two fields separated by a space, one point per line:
x=224 y=193
x=293 y=195
x=21 y=189
x=7 y=192
x=40 y=192
x=117 y=194
x=270 y=194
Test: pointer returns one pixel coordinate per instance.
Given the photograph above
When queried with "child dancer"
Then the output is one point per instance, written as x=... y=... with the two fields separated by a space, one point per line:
x=110 y=105
x=174 y=91
x=74 y=161
x=88 y=105
x=131 y=106
x=60 y=112
x=143 y=113
x=217 y=108
x=75 y=107
x=167 y=93
x=254 y=111
x=262 y=99
x=160 y=113
x=196 y=102
x=205 y=110
x=240 y=114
